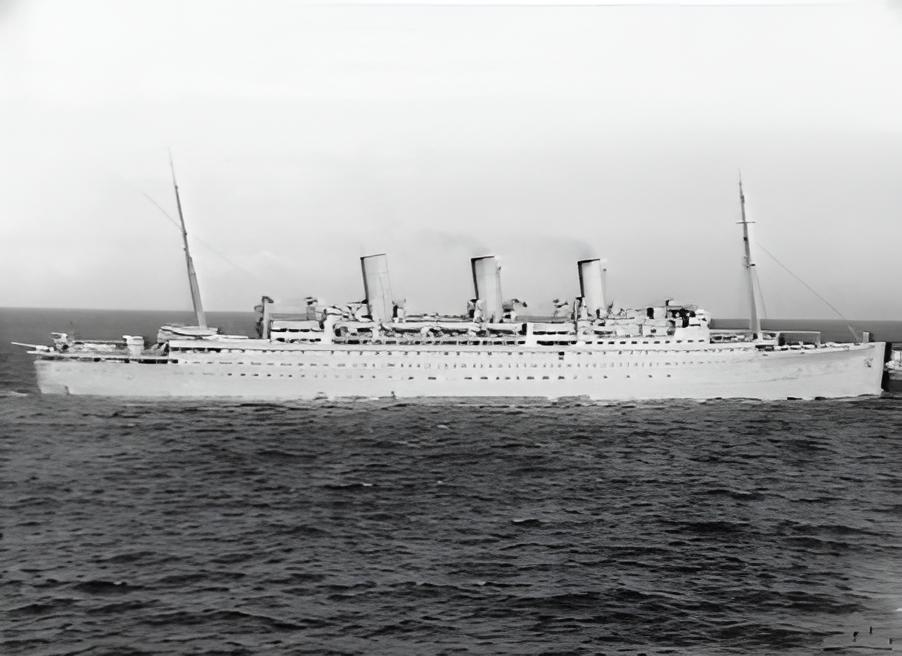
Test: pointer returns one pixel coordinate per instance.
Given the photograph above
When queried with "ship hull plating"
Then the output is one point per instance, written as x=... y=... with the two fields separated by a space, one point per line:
x=263 y=371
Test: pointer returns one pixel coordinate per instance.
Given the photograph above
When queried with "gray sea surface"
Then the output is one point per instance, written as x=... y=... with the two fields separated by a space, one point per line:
x=723 y=527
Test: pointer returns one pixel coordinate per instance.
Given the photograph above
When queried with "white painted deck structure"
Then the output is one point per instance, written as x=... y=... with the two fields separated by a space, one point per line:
x=636 y=369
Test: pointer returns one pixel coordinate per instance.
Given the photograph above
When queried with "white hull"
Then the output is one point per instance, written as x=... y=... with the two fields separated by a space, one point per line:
x=263 y=371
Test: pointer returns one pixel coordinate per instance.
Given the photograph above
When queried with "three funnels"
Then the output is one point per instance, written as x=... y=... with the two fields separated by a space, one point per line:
x=377 y=287
x=591 y=287
x=487 y=286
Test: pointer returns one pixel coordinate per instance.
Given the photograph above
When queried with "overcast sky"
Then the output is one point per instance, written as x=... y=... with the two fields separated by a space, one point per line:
x=307 y=135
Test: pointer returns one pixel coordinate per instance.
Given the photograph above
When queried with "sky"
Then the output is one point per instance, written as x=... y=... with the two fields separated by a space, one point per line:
x=305 y=135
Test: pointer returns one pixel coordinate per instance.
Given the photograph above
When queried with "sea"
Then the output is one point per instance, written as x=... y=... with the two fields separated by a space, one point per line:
x=388 y=527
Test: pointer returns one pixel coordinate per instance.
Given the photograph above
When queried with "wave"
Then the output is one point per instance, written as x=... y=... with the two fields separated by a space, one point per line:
x=104 y=587
x=558 y=529
x=11 y=393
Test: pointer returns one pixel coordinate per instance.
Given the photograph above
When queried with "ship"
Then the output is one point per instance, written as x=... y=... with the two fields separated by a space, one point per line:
x=375 y=349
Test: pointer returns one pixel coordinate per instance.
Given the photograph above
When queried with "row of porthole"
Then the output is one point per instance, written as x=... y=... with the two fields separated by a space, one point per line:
x=327 y=356
x=427 y=378
x=501 y=366
x=555 y=364
x=180 y=349
x=435 y=353
x=433 y=356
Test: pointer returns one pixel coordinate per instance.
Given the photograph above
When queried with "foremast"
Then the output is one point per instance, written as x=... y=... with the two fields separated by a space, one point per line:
x=754 y=320
x=192 y=274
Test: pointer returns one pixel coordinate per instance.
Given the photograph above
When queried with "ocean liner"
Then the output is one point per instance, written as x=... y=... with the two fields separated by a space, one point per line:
x=375 y=349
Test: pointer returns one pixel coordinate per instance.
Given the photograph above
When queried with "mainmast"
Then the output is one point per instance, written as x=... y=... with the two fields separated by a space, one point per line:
x=192 y=275
x=754 y=321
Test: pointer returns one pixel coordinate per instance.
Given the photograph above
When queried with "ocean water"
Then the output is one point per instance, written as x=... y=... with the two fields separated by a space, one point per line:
x=441 y=528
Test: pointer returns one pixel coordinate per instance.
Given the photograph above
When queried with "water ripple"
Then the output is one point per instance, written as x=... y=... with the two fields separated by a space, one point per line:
x=387 y=528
